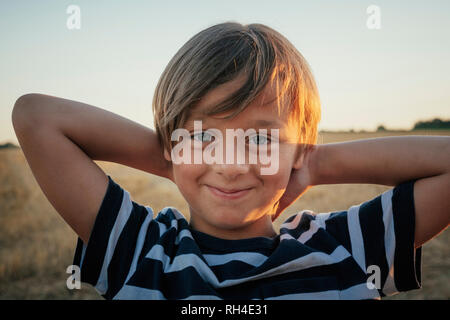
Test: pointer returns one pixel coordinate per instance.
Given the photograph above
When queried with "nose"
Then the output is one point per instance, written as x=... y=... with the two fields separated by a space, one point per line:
x=234 y=158
x=231 y=171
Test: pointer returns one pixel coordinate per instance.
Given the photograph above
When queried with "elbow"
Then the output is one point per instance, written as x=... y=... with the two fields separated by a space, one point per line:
x=23 y=109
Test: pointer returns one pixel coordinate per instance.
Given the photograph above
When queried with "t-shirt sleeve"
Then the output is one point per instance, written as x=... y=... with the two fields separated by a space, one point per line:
x=116 y=242
x=379 y=234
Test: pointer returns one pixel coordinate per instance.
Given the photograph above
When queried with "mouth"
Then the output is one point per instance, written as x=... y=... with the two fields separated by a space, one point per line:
x=230 y=194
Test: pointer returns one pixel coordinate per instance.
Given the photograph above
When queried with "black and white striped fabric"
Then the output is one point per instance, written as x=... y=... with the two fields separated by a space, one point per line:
x=131 y=255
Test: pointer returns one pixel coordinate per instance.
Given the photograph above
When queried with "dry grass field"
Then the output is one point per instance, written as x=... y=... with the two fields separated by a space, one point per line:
x=36 y=245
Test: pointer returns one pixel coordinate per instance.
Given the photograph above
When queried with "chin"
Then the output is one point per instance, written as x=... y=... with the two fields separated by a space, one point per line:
x=232 y=219
x=228 y=219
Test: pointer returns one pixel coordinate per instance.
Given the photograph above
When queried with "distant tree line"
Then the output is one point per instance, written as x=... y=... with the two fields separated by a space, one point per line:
x=8 y=145
x=435 y=124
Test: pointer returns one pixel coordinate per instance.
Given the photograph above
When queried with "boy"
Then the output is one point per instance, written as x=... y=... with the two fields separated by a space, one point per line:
x=235 y=77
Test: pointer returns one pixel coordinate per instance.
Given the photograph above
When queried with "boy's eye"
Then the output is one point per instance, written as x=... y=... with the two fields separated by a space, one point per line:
x=203 y=136
x=259 y=139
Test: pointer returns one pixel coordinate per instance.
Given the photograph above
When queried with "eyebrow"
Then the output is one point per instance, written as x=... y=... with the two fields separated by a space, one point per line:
x=266 y=123
x=204 y=113
x=273 y=123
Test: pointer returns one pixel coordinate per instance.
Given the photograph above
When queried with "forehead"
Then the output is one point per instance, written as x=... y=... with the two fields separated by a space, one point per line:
x=263 y=111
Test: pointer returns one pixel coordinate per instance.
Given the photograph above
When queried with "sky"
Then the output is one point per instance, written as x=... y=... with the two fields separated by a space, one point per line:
x=393 y=75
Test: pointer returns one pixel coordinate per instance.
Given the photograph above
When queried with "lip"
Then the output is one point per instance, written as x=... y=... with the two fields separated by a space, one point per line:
x=229 y=194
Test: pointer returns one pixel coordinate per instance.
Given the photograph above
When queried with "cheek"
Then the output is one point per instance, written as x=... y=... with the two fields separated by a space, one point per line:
x=277 y=181
x=186 y=177
x=280 y=179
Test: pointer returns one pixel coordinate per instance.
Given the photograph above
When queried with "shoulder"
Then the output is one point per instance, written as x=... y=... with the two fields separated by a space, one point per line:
x=309 y=227
x=304 y=217
x=297 y=224
x=171 y=217
x=122 y=214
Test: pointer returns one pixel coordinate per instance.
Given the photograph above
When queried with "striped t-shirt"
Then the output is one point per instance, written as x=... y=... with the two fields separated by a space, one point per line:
x=365 y=252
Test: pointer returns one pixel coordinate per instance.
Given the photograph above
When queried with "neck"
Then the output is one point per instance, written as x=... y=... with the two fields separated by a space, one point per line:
x=263 y=227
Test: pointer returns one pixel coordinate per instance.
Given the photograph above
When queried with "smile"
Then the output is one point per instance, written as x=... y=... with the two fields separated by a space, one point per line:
x=228 y=195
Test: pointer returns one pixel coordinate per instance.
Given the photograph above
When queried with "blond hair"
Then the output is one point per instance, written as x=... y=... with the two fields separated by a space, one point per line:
x=220 y=54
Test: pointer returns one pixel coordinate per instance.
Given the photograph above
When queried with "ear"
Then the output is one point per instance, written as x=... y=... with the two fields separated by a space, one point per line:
x=299 y=156
x=167 y=155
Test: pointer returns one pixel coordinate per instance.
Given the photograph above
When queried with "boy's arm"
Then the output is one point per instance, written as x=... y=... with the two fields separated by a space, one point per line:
x=391 y=161
x=60 y=138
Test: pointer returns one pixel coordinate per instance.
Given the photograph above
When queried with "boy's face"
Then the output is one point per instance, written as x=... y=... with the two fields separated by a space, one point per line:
x=234 y=200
